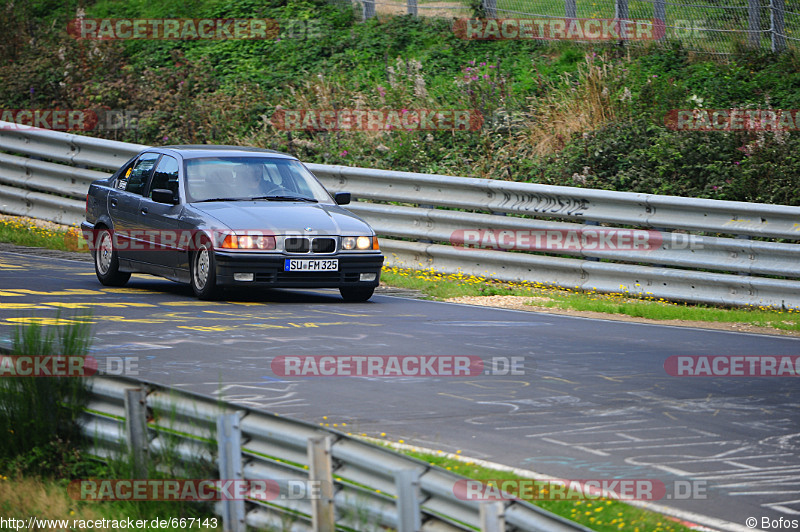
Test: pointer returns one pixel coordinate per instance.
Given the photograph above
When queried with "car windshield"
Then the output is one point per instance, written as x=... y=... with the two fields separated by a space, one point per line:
x=246 y=178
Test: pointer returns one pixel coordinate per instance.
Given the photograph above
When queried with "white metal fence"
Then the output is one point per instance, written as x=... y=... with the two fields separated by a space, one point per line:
x=709 y=251
x=713 y=26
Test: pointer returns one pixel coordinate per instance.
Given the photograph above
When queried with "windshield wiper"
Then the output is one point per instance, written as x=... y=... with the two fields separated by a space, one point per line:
x=222 y=199
x=286 y=198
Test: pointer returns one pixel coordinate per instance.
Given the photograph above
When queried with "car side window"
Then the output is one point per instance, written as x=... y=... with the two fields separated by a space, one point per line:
x=136 y=177
x=165 y=176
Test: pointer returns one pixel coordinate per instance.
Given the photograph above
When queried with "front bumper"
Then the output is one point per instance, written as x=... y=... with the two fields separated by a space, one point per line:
x=268 y=270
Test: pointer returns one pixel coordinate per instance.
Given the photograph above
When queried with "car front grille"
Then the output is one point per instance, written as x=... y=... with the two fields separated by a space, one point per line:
x=296 y=244
x=302 y=244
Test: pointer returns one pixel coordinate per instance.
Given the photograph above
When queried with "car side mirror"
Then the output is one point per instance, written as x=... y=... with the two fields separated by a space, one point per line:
x=342 y=198
x=162 y=195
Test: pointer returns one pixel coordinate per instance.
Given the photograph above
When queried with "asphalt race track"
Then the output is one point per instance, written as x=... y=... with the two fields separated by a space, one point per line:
x=594 y=400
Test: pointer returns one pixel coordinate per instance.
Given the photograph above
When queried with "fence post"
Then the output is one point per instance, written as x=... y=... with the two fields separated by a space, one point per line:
x=412 y=7
x=660 y=19
x=229 y=444
x=570 y=8
x=323 y=517
x=621 y=14
x=490 y=8
x=492 y=517
x=777 y=10
x=369 y=9
x=136 y=429
x=754 y=23
x=406 y=481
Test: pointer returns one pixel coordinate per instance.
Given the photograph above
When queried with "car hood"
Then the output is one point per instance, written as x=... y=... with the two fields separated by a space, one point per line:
x=284 y=217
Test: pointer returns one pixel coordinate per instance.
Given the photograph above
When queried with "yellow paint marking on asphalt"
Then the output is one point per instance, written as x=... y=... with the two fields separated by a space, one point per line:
x=190 y=303
x=201 y=328
x=456 y=396
x=670 y=416
x=48 y=321
x=558 y=379
x=7 y=266
x=129 y=291
x=67 y=292
x=612 y=379
x=248 y=315
x=246 y=303
x=109 y=304
x=347 y=314
x=21 y=306
x=92 y=274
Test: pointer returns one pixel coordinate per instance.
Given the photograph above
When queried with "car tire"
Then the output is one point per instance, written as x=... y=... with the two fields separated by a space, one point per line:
x=106 y=261
x=203 y=272
x=357 y=295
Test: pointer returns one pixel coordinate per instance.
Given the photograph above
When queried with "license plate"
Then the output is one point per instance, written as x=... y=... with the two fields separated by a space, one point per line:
x=311 y=265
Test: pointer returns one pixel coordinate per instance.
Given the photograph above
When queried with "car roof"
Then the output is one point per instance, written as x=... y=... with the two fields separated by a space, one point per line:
x=194 y=151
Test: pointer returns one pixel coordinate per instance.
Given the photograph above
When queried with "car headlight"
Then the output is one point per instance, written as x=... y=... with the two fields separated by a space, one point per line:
x=257 y=242
x=360 y=243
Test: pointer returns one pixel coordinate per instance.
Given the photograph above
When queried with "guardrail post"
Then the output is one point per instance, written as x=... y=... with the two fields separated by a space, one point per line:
x=369 y=9
x=493 y=517
x=229 y=443
x=571 y=8
x=406 y=482
x=660 y=19
x=754 y=23
x=777 y=11
x=323 y=515
x=136 y=429
x=490 y=8
x=412 y=7
x=621 y=14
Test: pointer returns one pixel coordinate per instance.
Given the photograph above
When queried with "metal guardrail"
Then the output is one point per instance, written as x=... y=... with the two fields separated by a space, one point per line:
x=416 y=216
x=369 y=487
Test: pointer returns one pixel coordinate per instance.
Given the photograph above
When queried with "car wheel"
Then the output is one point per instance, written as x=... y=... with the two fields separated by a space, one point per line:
x=204 y=272
x=106 y=261
x=357 y=294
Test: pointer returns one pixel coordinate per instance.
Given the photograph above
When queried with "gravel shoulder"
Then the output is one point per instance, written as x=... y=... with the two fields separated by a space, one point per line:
x=530 y=304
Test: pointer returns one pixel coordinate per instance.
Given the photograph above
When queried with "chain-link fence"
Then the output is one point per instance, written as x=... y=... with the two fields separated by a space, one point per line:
x=711 y=26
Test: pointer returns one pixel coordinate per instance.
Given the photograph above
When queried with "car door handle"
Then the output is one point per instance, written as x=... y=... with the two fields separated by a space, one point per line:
x=113 y=203
x=144 y=210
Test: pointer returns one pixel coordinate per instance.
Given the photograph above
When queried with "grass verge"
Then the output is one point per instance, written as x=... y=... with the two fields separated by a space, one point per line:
x=600 y=514
x=36 y=233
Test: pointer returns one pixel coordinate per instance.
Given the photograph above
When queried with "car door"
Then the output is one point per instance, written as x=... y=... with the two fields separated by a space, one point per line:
x=161 y=220
x=123 y=206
